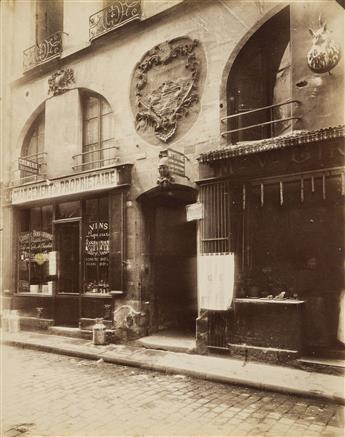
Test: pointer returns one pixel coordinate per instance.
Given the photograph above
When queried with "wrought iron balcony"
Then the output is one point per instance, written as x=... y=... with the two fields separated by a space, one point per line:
x=271 y=122
x=116 y=15
x=97 y=158
x=43 y=51
x=31 y=168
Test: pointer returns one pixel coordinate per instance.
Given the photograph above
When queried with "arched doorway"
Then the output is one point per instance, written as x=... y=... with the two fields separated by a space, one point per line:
x=171 y=242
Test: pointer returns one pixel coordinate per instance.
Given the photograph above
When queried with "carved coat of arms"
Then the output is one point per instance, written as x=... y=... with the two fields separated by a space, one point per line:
x=166 y=87
x=59 y=81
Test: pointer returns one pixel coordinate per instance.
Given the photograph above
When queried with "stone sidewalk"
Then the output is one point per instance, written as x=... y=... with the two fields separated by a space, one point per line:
x=213 y=368
x=47 y=394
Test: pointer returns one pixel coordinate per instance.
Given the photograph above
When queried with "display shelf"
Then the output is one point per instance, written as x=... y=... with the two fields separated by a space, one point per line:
x=269 y=301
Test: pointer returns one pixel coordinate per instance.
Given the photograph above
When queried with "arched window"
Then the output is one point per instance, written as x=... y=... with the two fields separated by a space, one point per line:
x=259 y=81
x=98 y=141
x=32 y=160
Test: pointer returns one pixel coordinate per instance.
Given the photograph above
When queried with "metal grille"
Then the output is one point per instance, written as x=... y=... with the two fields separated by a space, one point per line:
x=119 y=13
x=43 y=51
x=215 y=227
x=217 y=329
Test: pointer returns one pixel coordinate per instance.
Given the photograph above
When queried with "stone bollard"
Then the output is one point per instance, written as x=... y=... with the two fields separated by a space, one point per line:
x=13 y=322
x=98 y=332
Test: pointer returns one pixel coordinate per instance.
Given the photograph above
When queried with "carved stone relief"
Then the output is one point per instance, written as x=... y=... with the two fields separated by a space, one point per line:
x=166 y=89
x=60 y=80
x=325 y=53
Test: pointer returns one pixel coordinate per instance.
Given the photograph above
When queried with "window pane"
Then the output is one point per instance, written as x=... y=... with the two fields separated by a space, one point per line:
x=35 y=241
x=33 y=146
x=106 y=108
x=47 y=215
x=91 y=107
x=103 y=208
x=106 y=127
x=68 y=210
x=91 y=131
x=35 y=219
x=96 y=247
x=91 y=210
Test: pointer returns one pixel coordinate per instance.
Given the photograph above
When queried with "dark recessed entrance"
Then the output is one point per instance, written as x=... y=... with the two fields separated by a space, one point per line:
x=172 y=252
x=67 y=300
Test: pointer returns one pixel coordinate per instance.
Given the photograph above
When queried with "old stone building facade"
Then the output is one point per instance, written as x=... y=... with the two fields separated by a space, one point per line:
x=177 y=165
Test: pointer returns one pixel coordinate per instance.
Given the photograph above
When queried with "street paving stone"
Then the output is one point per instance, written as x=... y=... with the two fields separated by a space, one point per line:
x=54 y=395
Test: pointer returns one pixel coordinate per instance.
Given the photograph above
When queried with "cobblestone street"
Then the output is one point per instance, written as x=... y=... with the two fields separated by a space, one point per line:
x=48 y=394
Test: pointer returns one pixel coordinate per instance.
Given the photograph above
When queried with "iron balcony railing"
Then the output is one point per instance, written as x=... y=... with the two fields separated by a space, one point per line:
x=266 y=123
x=43 y=51
x=97 y=158
x=119 y=13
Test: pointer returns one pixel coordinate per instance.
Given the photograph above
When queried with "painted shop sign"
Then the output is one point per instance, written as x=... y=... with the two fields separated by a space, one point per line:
x=65 y=186
x=28 y=165
x=301 y=158
x=97 y=243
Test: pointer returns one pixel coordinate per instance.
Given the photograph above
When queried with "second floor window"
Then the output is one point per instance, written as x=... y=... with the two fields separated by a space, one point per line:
x=49 y=18
x=97 y=132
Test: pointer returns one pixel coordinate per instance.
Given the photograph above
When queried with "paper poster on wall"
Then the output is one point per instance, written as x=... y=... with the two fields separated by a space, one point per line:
x=216 y=274
x=195 y=211
x=52 y=257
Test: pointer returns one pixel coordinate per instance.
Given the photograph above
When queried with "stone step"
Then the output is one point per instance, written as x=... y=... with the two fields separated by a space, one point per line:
x=332 y=366
x=168 y=342
x=67 y=331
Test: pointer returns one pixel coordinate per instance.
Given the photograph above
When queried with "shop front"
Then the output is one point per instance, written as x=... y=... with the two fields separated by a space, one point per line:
x=287 y=235
x=69 y=238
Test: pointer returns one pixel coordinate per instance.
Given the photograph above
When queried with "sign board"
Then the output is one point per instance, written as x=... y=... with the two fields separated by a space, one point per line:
x=80 y=183
x=195 y=211
x=28 y=165
x=176 y=162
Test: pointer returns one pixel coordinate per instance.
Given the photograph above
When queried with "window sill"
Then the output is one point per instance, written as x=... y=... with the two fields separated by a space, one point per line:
x=67 y=294
x=34 y=294
x=98 y=295
x=269 y=301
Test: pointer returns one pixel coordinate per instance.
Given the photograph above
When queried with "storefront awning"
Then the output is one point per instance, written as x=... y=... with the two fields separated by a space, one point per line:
x=251 y=147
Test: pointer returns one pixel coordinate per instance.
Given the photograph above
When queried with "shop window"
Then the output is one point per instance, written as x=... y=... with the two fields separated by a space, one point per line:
x=96 y=246
x=49 y=18
x=98 y=142
x=293 y=242
x=35 y=242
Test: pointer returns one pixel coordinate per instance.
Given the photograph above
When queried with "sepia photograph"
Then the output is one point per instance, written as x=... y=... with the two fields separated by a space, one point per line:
x=172 y=218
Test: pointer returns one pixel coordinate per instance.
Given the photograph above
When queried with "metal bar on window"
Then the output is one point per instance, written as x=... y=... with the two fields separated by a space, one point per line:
x=260 y=124
x=276 y=105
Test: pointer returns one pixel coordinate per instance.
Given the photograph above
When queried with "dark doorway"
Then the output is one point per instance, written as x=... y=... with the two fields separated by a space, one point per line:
x=68 y=284
x=171 y=243
x=174 y=268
